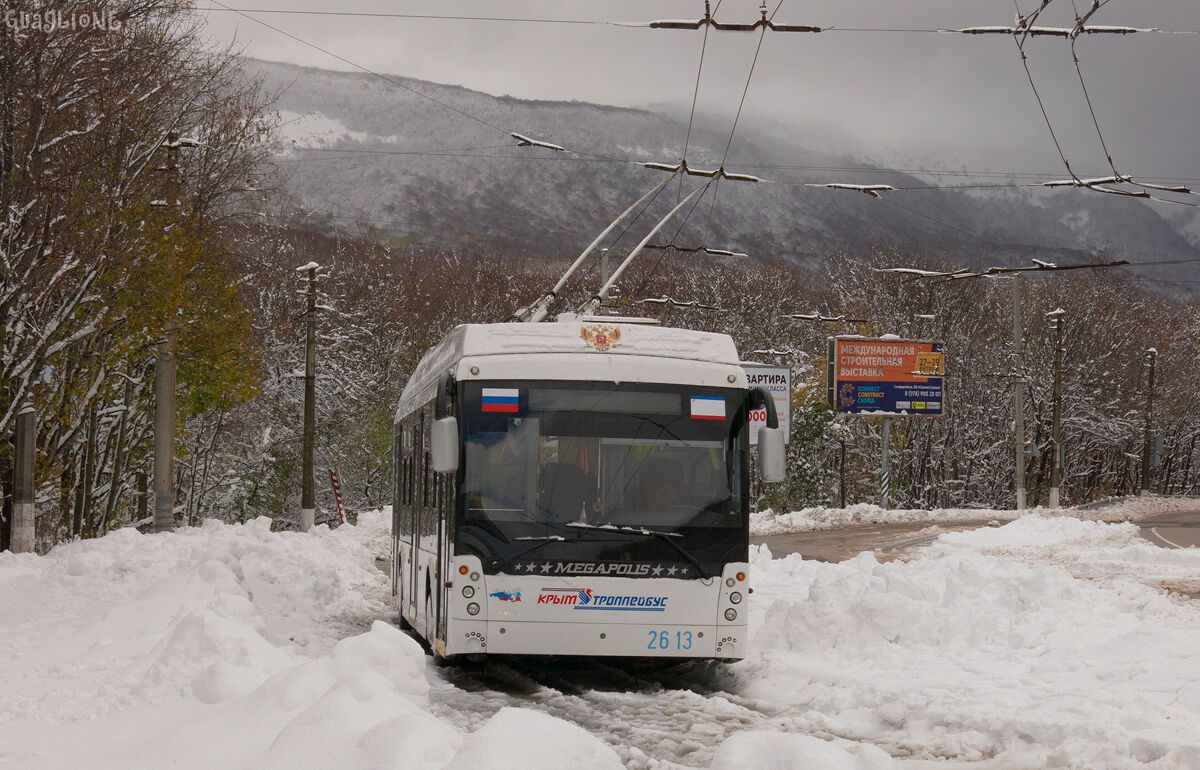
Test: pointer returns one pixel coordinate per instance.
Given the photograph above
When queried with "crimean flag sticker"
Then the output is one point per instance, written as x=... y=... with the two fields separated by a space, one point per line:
x=501 y=400
x=708 y=407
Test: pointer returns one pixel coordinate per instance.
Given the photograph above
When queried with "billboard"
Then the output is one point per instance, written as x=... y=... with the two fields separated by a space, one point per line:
x=886 y=376
x=778 y=382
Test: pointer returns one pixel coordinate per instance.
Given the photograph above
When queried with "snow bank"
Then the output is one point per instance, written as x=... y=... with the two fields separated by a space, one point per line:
x=520 y=739
x=1047 y=642
x=781 y=751
x=231 y=647
x=988 y=646
x=770 y=522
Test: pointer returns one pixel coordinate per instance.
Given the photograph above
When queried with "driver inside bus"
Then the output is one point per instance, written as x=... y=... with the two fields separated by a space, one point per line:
x=663 y=485
x=567 y=491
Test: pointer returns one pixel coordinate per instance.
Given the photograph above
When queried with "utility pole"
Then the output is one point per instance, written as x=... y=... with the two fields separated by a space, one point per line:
x=885 y=469
x=164 y=432
x=1147 y=443
x=842 y=474
x=1059 y=317
x=1018 y=397
x=164 y=379
x=308 y=504
x=23 y=486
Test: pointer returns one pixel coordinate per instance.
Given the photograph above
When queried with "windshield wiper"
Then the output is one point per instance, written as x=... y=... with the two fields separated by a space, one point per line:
x=621 y=528
x=500 y=564
x=539 y=541
x=664 y=536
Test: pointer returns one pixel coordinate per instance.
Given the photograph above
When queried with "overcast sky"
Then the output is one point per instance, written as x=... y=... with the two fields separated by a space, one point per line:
x=953 y=100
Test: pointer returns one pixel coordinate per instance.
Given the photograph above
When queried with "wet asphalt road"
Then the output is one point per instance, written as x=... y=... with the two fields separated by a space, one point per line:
x=1166 y=530
x=1173 y=530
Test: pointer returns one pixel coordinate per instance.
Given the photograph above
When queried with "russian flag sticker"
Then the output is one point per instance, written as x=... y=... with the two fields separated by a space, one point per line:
x=708 y=407
x=500 y=400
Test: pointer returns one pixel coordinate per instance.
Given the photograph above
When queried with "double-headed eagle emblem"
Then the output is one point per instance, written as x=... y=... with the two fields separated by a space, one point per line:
x=600 y=337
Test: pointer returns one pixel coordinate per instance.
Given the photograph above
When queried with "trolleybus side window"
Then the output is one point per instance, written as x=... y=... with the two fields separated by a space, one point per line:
x=397 y=467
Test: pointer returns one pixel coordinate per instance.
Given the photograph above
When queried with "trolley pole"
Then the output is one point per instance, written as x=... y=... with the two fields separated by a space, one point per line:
x=885 y=469
x=1018 y=398
x=1147 y=442
x=1059 y=318
x=308 y=504
x=23 y=486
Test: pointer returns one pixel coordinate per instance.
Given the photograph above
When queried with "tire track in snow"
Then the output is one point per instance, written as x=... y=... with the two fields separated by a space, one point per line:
x=652 y=718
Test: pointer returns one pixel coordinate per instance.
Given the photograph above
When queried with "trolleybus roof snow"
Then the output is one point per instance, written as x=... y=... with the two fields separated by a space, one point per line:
x=617 y=340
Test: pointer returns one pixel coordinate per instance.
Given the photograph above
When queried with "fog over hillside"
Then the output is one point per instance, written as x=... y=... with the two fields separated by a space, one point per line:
x=344 y=137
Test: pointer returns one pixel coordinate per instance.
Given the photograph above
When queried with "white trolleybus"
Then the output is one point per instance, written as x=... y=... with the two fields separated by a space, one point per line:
x=577 y=487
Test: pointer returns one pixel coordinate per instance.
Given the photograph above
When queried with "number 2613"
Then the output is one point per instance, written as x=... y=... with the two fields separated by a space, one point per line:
x=665 y=640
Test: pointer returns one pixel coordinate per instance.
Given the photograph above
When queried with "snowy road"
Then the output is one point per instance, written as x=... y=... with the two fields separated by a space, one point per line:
x=678 y=716
x=1043 y=643
x=886 y=540
x=1173 y=530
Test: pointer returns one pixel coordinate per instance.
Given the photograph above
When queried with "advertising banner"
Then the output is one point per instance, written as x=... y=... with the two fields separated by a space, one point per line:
x=778 y=382
x=884 y=376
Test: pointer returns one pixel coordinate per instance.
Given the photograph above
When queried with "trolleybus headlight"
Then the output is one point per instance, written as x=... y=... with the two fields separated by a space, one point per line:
x=474 y=576
x=473 y=609
x=735 y=598
x=730 y=614
x=469 y=591
x=729 y=582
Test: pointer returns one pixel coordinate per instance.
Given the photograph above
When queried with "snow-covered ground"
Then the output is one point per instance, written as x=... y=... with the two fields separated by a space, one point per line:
x=770 y=522
x=1047 y=642
x=315 y=129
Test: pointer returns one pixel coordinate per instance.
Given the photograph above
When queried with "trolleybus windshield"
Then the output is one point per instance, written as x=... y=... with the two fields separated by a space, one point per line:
x=544 y=458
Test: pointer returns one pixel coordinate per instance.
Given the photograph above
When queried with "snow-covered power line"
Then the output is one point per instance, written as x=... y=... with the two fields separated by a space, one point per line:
x=868 y=189
x=1024 y=28
x=918 y=273
x=522 y=140
x=1118 y=177
x=525 y=141
x=693 y=304
x=697 y=250
x=690 y=24
x=716 y=173
x=763 y=23
x=1038 y=266
x=1064 y=32
x=822 y=318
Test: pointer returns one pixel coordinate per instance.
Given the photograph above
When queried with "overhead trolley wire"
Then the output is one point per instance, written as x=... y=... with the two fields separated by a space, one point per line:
x=599 y=22
x=383 y=15
x=360 y=67
x=522 y=140
x=650 y=274
x=741 y=103
x=1037 y=95
x=695 y=94
x=965 y=173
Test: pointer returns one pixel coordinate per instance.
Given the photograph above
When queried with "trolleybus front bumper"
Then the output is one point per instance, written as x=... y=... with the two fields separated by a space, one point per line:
x=609 y=616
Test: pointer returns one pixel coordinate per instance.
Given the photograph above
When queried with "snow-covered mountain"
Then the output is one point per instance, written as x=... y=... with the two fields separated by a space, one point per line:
x=345 y=137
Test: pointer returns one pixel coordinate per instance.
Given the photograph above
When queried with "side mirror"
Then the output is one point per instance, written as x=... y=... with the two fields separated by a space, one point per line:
x=443 y=445
x=772 y=457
